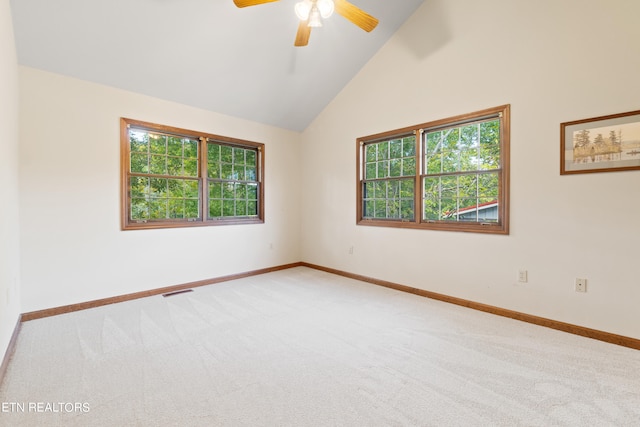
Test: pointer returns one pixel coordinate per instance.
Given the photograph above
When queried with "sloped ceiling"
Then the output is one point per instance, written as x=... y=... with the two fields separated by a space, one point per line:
x=205 y=53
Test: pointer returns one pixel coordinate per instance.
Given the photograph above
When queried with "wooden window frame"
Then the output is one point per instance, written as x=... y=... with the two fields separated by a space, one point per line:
x=203 y=191
x=500 y=227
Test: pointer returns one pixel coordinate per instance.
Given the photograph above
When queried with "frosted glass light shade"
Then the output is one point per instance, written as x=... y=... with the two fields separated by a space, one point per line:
x=303 y=9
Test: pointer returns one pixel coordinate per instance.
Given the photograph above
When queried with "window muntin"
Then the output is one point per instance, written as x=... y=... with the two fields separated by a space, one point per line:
x=174 y=178
x=459 y=180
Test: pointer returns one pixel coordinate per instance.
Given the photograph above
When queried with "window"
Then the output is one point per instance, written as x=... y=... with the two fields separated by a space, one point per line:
x=450 y=174
x=178 y=178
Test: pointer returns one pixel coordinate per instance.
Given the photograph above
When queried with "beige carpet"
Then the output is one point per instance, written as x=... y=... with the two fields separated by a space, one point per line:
x=301 y=347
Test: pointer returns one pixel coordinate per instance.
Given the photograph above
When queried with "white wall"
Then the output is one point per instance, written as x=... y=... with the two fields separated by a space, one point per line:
x=553 y=62
x=9 y=219
x=72 y=247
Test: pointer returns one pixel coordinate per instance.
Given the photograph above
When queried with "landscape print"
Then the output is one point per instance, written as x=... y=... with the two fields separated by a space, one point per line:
x=601 y=145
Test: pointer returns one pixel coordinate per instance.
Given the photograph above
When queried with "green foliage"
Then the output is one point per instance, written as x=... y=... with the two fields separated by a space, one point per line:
x=164 y=180
x=455 y=160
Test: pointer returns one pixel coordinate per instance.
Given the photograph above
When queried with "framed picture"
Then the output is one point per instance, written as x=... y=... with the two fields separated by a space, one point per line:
x=601 y=144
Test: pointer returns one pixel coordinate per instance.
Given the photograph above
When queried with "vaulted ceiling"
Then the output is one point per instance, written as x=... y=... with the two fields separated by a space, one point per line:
x=205 y=53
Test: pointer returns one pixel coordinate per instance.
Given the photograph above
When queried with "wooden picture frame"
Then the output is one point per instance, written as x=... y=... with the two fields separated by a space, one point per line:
x=600 y=144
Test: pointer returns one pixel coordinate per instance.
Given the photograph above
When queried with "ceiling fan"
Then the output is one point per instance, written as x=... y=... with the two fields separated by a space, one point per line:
x=311 y=13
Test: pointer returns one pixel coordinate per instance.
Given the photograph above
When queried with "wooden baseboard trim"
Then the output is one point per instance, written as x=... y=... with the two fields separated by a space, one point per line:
x=541 y=321
x=32 y=315
x=536 y=320
x=11 y=348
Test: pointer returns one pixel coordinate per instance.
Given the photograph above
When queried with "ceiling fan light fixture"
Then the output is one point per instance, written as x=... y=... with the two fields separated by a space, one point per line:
x=306 y=8
x=315 y=19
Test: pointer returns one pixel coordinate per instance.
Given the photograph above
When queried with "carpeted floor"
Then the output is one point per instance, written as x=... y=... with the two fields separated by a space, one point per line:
x=301 y=347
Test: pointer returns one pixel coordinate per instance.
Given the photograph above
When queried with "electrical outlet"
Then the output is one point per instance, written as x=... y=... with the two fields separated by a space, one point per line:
x=350 y=250
x=581 y=285
x=522 y=276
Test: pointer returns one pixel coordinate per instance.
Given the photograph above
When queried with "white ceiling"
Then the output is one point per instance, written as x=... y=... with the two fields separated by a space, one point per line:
x=205 y=53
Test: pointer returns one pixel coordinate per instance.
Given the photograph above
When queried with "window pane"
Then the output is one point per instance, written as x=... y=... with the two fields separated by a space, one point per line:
x=139 y=187
x=174 y=166
x=407 y=209
x=451 y=138
x=175 y=188
x=406 y=189
x=467 y=210
x=449 y=186
x=191 y=209
x=191 y=189
x=490 y=132
x=227 y=171
x=228 y=208
x=469 y=137
x=174 y=146
x=228 y=191
x=238 y=156
x=252 y=208
x=226 y=154
x=433 y=163
x=251 y=158
x=447 y=209
x=467 y=186
x=252 y=192
x=158 y=165
x=371 y=171
x=138 y=141
x=431 y=208
x=158 y=144
x=213 y=151
x=371 y=152
x=176 y=208
x=433 y=143
x=158 y=187
x=450 y=161
x=214 y=170
x=241 y=207
x=191 y=167
x=383 y=169
x=489 y=157
x=395 y=149
x=383 y=150
x=469 y=160
x=241 y=191
x=409 y=166
x=139 y=209
x=488 y=185
x=139 y=162
x=238 y=173
x=158 y=208
x=395 y=167
x=190 y=148
x=409 y=146
x=215 y=190
x=215 y=208
x=251 y=174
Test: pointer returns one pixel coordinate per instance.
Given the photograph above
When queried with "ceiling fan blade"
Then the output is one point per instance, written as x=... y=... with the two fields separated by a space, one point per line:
x=302 y=36
x=245 y=3
x=356 y=15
